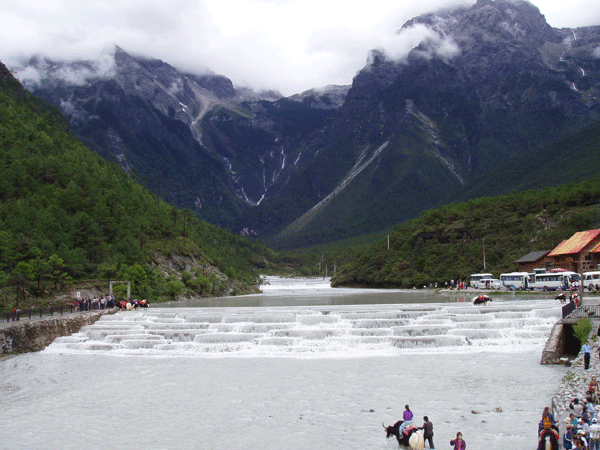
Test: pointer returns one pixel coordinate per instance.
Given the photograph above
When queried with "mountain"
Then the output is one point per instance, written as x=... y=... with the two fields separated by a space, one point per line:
x=568 y=160
x=68 y=215
x=490 y=83
x=486 y=85
x=195 y=139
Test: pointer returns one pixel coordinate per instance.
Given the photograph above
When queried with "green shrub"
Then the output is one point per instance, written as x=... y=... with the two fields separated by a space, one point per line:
x=582 y=329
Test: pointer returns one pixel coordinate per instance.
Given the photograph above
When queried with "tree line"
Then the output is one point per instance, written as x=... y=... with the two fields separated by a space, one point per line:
x=449 y=242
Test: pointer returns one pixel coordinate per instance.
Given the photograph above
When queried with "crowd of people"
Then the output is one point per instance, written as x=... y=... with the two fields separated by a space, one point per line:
x=89 y=304
x=583 y=424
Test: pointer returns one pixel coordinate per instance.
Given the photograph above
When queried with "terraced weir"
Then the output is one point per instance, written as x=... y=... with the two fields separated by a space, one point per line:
x=319 y=331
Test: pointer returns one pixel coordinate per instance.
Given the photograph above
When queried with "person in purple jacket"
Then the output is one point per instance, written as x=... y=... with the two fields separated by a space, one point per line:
x=407 y=417
x=459 y=443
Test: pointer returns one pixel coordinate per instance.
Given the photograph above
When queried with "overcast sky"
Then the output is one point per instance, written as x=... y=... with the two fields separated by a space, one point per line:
x=288 y=45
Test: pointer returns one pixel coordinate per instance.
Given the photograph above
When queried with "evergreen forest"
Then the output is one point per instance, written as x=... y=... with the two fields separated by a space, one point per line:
x=67 y=216
x=457 y=239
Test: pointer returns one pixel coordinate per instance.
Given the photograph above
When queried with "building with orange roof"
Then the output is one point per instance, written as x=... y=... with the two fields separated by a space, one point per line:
x=579 y=253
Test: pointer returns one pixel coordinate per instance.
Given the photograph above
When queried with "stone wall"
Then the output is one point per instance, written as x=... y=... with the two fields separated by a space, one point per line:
x=34 y=335
x=555 y=345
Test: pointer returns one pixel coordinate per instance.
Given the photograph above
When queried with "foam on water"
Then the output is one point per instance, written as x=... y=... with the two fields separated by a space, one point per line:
x=327 y=331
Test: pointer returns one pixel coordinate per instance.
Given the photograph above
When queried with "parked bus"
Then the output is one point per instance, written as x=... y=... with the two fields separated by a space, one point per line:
x=516 y=281
x=591 y=280
x=552 y=281
x=477 y=277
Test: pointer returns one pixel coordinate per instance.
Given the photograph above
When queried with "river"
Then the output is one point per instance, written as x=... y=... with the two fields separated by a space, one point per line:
x=300 y=366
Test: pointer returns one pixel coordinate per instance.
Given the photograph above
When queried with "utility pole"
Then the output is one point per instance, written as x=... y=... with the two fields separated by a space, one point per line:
x=483 y=253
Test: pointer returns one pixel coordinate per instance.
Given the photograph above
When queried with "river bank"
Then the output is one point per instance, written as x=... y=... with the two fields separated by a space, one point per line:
x=32 y=335
x=575 y=383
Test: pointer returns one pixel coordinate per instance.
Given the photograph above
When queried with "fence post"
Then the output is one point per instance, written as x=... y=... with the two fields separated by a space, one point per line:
x=41 y=312
x=8 y=317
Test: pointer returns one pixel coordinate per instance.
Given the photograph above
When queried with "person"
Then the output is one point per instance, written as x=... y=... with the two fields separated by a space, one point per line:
x=428 y=431
x=13 y=313
x=568 y=437
x=595 y=435
x=407 y=417
x=573 y=420
x=585 y=427
x=576 y=407
x=593 y=390
x=407 y=414
x=587 y=353
x=547 y=420
x=582 y=441
x=459 y=443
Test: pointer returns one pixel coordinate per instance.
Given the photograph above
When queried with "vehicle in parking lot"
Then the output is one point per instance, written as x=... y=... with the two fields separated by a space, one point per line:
x=490 y=283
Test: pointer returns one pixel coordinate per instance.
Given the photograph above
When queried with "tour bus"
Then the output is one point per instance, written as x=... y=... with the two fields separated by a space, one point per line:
x=516 y=280
x=591 y=279
x=552 y=281
x=477 y=277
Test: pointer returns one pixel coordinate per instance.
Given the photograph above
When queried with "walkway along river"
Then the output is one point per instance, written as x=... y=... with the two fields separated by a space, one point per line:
x=35 y=333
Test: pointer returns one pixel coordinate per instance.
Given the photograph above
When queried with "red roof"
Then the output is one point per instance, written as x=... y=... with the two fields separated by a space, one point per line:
x=596 y=249
x=575 y=243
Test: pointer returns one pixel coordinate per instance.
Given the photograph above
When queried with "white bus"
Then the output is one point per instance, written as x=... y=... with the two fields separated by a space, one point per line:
x=516 y=281
x=477 y=277
x=552 y=281
x=591 y=279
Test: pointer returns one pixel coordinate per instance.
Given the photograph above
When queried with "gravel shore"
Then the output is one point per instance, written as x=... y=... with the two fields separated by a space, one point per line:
x=574 y=384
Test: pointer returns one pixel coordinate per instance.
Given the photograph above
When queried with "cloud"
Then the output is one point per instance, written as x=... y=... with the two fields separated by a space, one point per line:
x=596 y=53
x=429 y=41
x=102 y=67
x=288 y=45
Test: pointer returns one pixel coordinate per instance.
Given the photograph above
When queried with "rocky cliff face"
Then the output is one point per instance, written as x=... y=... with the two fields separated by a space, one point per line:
x=487 y=84
x=193 y=139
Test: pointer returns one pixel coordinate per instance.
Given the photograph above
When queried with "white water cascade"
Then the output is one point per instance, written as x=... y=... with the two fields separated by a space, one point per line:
x=313 y=331
x=301 y=366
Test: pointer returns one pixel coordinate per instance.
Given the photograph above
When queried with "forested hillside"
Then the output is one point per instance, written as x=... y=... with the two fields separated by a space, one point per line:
x=568 y=160
x=448 y=243
x=67 y=215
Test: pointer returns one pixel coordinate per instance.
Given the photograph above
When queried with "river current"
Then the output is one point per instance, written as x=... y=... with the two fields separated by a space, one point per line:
x=300 y=366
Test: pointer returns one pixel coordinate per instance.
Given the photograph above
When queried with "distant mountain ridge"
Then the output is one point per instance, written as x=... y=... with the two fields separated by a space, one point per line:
x=167 y=127
x=486 y=85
